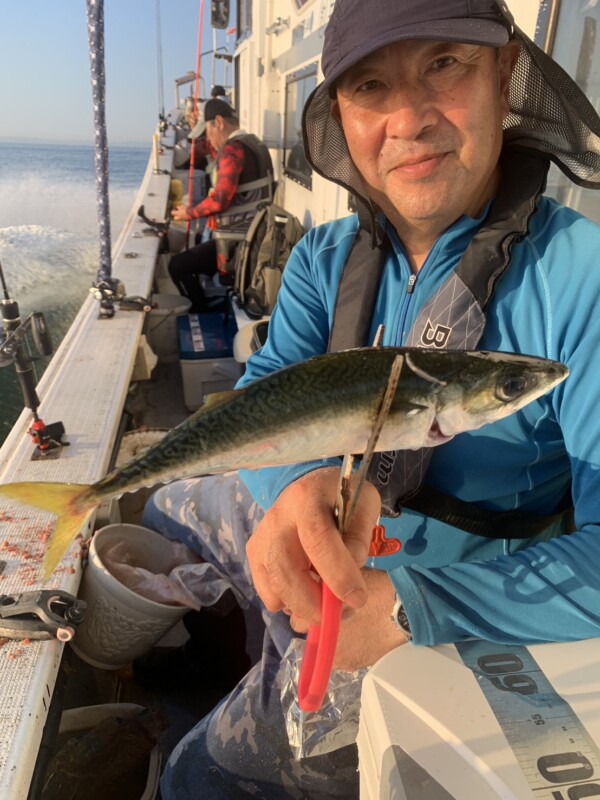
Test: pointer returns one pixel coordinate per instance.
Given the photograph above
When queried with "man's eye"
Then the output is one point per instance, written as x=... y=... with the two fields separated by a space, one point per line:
x=368 y=86
x=443 y=63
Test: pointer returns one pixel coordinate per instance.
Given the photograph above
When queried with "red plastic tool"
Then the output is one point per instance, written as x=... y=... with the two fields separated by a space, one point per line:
x=319 y=651
x=321 y=640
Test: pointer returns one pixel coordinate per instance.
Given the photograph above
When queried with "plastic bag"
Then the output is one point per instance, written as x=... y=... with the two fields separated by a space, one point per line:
x=335 y=725
x=187 y=580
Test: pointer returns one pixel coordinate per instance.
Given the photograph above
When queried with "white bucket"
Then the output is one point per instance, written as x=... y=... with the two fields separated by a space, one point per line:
x=162 y=324
x=119 y=624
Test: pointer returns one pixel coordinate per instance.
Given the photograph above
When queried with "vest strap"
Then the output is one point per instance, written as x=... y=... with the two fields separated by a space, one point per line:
x=482 y=521
x=357 y=290
x=259 y=183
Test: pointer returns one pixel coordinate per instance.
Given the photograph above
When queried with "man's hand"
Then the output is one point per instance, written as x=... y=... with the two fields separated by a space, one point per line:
x=180 y=214
x=366 y=633
x=298 y=537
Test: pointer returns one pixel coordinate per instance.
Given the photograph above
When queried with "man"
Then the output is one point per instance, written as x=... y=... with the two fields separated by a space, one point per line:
x=218 y=92
x=244 y=172
x=410 y=117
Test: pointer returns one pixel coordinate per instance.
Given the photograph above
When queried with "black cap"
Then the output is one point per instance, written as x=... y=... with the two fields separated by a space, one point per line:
x=358 y=28
x=217 y=91
x=211 y=109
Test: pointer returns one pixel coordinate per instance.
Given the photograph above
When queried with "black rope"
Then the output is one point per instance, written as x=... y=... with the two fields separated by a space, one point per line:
x=95 y=21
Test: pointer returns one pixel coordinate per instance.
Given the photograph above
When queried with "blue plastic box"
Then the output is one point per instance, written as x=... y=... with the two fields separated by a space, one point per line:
x=206 y=356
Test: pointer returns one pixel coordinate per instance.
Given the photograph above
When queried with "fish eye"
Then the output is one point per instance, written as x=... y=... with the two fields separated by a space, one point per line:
x=511 y=388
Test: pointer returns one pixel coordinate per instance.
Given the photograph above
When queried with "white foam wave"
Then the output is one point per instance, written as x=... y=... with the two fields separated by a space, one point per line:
x=37 y=255
x=59 y=202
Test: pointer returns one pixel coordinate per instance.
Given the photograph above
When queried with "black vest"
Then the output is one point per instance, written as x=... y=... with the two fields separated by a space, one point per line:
x=256 y=180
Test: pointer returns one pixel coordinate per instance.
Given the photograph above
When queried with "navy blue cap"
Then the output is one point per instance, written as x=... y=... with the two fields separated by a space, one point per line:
x=358 y=28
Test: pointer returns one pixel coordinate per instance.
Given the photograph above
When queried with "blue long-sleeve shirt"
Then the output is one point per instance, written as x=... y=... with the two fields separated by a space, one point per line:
x=455 y=585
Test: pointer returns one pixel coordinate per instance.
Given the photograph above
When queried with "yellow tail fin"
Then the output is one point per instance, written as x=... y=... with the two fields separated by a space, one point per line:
x=67 y=528
x=63 y=499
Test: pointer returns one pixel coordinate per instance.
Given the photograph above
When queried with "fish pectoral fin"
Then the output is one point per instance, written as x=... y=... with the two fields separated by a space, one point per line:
x=408 y=409
x=216 y=398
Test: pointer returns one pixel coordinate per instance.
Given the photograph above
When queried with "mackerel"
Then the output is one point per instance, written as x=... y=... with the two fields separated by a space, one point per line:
x=316 y=409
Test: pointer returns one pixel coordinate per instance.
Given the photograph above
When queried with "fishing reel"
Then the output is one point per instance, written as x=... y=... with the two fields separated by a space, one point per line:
x=14 y=349
x=155 y=228
x=109 y=292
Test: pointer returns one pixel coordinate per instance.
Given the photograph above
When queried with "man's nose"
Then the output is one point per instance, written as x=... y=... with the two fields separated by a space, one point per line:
x=410 y=109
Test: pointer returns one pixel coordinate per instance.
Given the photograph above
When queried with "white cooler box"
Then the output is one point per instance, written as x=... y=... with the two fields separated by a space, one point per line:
x=206 y=356
x=482 y=721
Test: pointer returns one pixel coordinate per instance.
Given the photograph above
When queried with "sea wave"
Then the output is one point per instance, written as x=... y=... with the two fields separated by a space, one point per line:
x=36 y=255
x=60 y=202
x=49 y=236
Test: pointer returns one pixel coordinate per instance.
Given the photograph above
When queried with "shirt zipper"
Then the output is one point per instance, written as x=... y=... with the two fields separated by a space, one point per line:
x=410 y=287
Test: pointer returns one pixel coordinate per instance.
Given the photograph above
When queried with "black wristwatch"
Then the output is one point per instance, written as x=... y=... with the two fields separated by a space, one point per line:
x=400 y=619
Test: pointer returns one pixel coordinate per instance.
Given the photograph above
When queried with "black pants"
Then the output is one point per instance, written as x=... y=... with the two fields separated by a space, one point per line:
x=185 y=267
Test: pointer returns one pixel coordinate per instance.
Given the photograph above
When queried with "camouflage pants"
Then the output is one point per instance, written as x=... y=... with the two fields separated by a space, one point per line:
x=241 y=748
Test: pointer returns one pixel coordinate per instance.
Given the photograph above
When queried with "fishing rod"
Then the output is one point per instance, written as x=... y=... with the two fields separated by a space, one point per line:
x=196 y=110
x=159 y=67
x=14 y=349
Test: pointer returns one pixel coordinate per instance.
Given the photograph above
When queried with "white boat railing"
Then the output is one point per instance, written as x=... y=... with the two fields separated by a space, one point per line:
x=85 y=387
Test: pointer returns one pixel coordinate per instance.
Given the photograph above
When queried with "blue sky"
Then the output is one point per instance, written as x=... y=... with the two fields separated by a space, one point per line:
x=45 y=87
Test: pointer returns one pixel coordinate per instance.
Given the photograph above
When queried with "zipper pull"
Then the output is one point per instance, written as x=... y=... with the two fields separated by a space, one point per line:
x=411 y=284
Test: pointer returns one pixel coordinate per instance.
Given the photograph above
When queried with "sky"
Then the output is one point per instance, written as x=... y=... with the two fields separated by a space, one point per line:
x=45 y=84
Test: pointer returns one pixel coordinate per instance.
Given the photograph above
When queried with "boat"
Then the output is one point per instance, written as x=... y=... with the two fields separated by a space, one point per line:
x=436 y=723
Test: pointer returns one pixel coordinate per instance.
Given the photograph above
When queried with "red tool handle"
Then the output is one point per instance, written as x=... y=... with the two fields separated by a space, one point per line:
x=320 y=647
x=321 y=640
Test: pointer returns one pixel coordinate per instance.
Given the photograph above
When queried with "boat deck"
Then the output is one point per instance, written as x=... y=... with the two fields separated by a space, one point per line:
x=85 y=387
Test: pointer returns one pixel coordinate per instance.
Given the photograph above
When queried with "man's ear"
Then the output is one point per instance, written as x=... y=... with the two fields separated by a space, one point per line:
x=507 y=59
x=334 y=110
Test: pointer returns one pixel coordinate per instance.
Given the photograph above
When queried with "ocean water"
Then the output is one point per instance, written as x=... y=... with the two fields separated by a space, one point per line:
x=49 y=235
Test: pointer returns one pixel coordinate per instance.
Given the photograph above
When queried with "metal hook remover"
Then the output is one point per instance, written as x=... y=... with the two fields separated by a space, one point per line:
x=41 y=614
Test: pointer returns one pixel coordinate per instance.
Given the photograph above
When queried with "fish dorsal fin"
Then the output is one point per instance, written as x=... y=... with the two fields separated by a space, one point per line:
x=216 y=398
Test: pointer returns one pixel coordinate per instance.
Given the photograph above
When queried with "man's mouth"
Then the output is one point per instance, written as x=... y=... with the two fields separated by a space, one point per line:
x=421 y=166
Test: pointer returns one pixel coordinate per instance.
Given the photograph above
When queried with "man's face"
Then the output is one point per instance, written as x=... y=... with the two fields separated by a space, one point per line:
x=215 y=132
x=423 y=122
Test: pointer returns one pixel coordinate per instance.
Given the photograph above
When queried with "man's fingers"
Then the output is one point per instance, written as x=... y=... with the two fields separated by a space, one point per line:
x=292 y=580
x=298 y=537
x=333 y=562
x=281 y=570
x=262 y=585
x=336 y=559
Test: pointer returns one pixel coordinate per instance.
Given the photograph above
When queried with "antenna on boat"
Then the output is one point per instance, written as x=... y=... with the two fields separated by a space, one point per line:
x=14 y=349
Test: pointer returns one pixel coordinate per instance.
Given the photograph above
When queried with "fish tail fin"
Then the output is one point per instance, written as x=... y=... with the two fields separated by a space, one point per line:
x=67 y=528
x=72 y=502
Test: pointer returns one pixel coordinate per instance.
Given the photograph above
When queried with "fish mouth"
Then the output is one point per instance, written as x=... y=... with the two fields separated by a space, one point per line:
x=436 y=436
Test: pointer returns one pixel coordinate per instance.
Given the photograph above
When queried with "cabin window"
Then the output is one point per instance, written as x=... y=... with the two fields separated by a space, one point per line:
x=244 y=19
x=571 y=31
x=298 y=86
